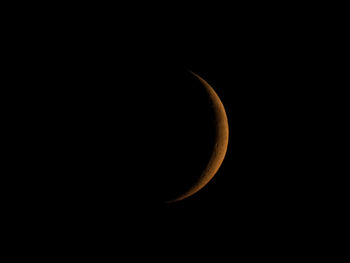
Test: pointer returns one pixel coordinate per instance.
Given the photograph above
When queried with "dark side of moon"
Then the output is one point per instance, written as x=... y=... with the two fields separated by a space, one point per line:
x=187 y=138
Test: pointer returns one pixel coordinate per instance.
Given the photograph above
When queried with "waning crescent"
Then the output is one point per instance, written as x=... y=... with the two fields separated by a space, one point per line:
x=221 y=143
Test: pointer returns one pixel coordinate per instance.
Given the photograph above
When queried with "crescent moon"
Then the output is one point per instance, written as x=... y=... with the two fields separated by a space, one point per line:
x=221 y=142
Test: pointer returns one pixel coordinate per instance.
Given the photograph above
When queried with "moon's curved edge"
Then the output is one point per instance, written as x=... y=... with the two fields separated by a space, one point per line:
x=221 y=143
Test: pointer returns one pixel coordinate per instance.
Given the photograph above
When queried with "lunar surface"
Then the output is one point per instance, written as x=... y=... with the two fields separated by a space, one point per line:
x=220 y=143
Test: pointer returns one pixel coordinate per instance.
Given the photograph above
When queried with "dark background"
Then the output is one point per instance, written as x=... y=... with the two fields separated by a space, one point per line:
x=112 y=110
x=119 y=123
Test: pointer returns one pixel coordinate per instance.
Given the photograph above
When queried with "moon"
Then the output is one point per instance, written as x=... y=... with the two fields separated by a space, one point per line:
x=220 y=146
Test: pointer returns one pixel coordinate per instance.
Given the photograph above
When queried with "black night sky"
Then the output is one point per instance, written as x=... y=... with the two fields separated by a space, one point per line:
x=120 y=125
x=130 y=123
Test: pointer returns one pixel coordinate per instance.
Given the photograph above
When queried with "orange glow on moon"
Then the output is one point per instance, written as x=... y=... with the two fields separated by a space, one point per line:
x=221 y=143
